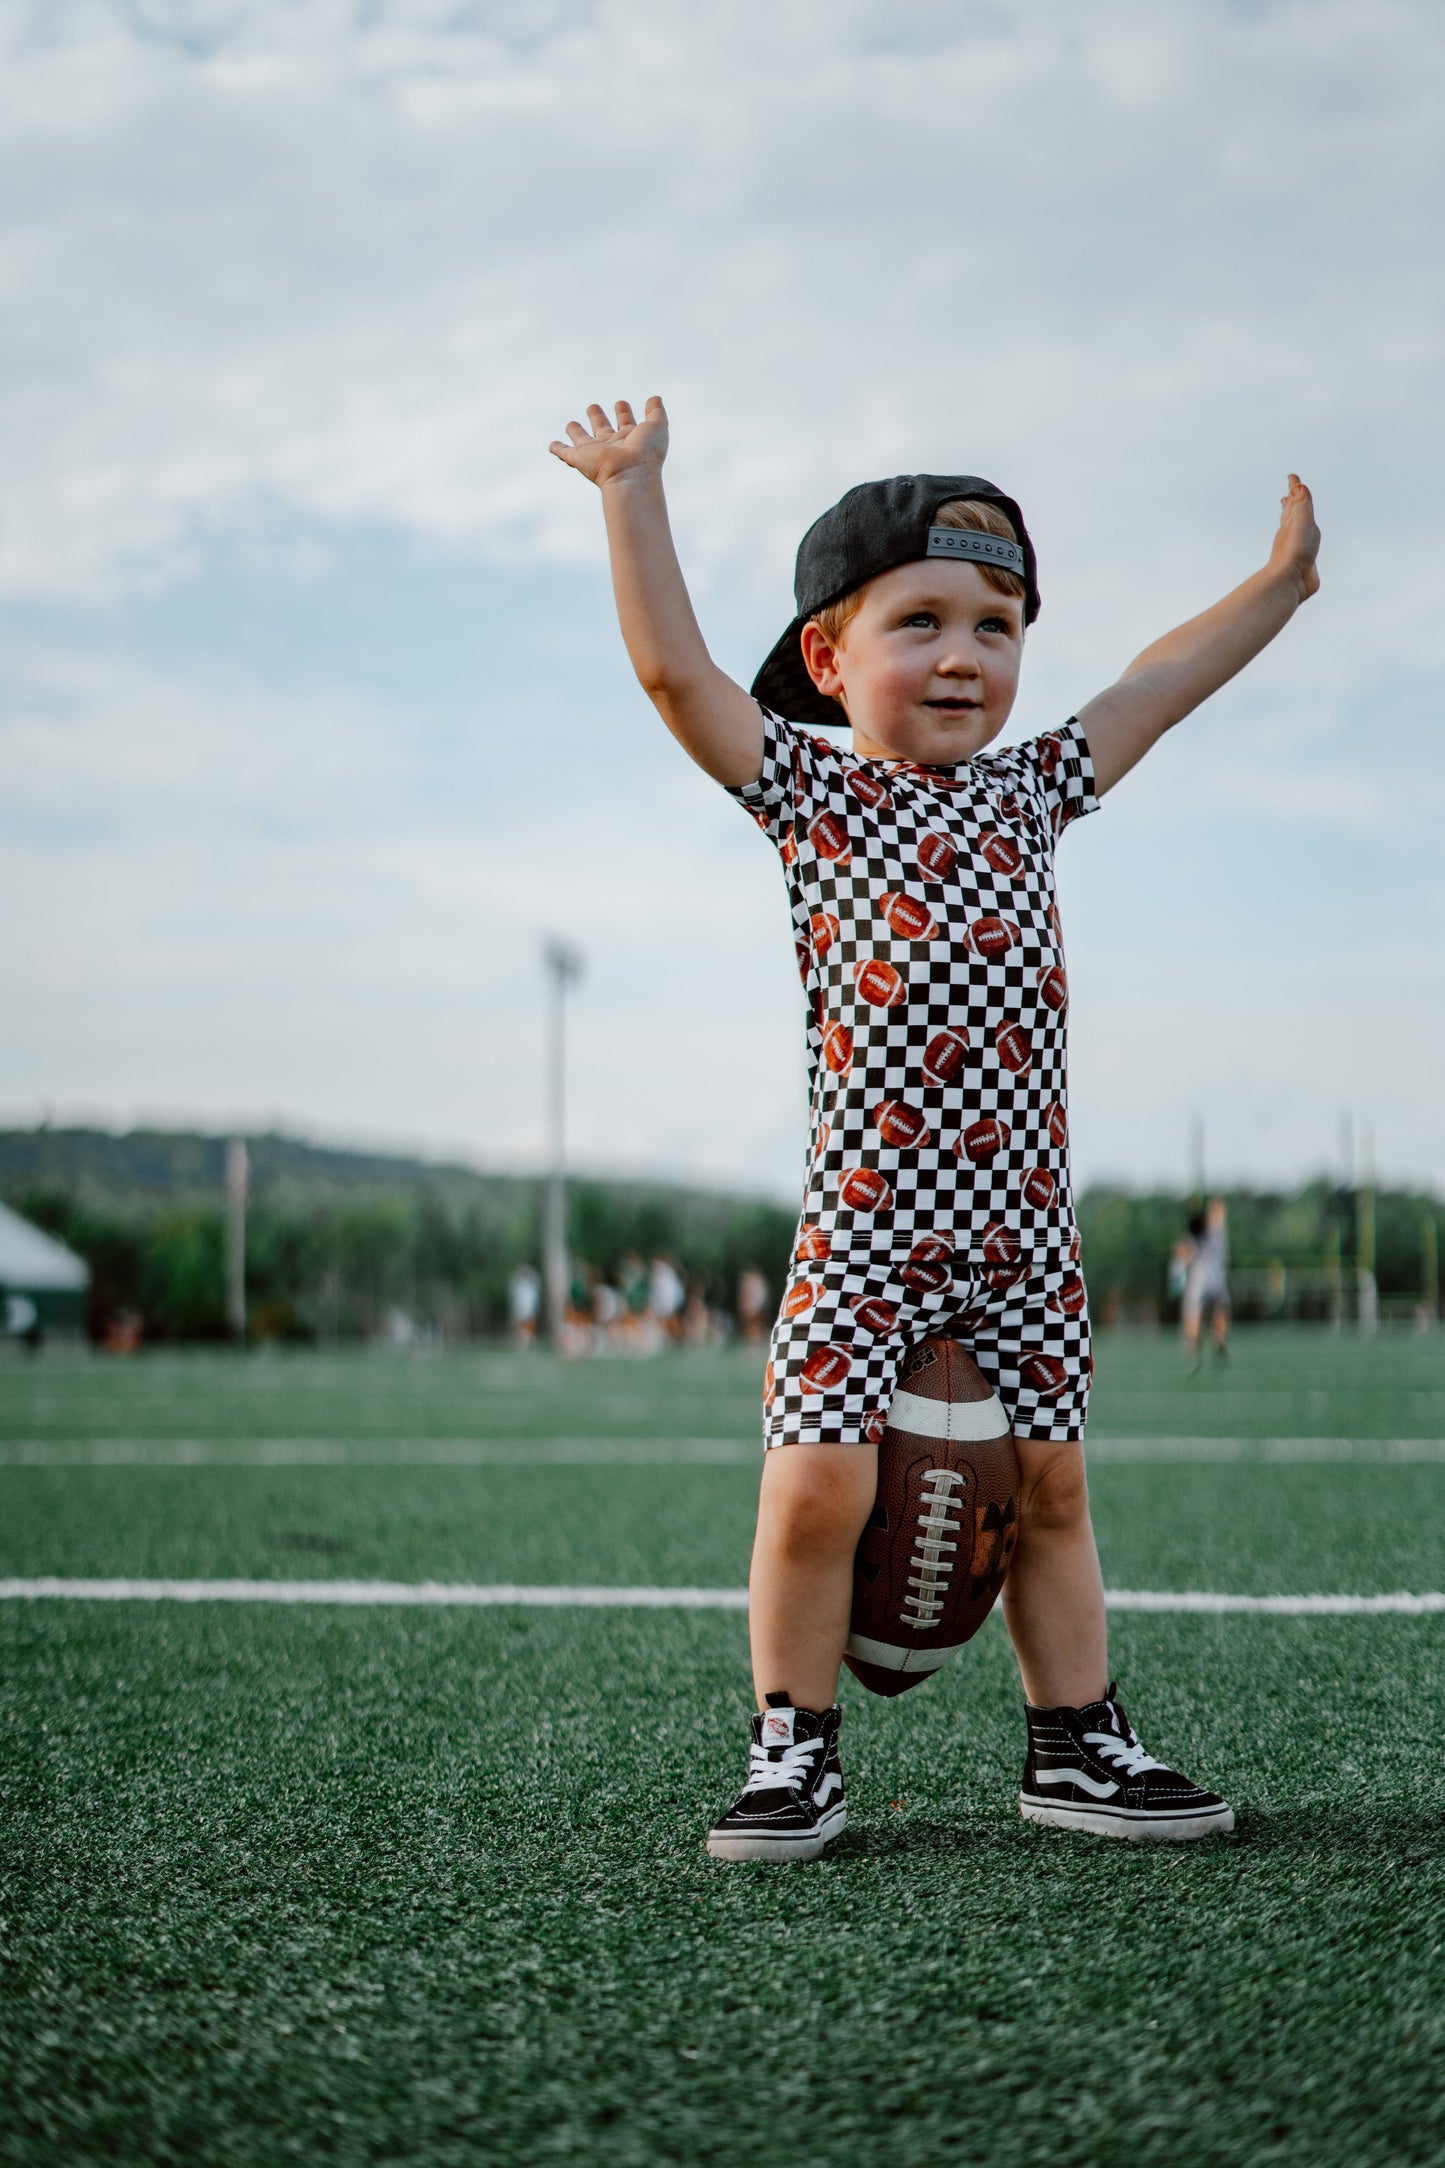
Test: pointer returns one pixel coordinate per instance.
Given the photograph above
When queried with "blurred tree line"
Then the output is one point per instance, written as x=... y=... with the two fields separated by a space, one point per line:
x=336 y=1242
x=339 y=1242
x=1293 y=1254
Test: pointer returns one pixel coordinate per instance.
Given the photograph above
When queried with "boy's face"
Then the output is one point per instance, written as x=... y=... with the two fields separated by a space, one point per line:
x=927 y=667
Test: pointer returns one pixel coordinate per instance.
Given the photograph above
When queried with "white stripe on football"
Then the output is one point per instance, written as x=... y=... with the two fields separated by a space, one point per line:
x=968 y=1419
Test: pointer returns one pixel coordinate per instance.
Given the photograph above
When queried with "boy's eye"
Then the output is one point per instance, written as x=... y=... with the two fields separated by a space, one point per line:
x=921 y=617
x=994 y=624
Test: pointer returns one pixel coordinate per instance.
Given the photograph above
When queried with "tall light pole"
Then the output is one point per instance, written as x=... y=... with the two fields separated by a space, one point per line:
x=1196 y=1154
x=238 y=1176
x=564 y=969
x=1367 y=1293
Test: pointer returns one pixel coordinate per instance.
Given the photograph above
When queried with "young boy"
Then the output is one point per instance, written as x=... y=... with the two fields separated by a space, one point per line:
x=920 y=871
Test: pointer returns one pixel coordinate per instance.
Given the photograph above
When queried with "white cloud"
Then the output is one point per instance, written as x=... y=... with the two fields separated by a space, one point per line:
x=227 y=901
x=224 y=900
x=361 y=263
x=311 y=265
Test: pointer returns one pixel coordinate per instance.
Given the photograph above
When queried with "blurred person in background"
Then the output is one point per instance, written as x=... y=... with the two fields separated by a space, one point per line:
x=697 y=1323
x=632 y=1280
x=635 y=1332
x=753 y=1318
x=1181 y=1257
x=1206 y=1284
x=579 y=1325
x=609 y=1313
x=524 y=1302
x=666 y=1295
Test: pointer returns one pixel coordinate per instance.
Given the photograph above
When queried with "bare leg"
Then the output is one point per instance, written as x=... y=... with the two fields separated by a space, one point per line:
x=1190 y=1322
x=811 y=1510
x=1053 y=1599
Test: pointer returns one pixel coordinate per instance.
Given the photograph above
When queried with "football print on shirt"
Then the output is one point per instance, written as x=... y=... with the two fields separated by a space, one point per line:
x=937 y=1186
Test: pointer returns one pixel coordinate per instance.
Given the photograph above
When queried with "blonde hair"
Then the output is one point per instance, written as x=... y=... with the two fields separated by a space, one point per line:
x=975 y=513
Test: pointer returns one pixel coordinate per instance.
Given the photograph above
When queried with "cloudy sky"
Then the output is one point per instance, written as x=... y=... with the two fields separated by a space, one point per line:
x=314 y=719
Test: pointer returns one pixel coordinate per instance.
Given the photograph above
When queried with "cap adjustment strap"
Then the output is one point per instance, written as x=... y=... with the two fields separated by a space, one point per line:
x=986 y=549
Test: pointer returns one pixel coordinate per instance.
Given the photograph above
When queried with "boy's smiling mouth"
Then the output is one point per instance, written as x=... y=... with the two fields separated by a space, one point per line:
x=954 y=705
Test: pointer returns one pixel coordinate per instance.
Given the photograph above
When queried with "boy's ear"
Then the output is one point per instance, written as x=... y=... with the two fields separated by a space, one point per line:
x=820 y=658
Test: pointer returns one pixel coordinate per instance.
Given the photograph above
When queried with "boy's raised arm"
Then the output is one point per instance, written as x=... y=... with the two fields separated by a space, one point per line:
x=711 y=717
x=1173 y=676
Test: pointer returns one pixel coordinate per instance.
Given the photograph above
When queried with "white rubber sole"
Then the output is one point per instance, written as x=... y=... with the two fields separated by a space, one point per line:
x=737 y=1844
x=1133 y=1827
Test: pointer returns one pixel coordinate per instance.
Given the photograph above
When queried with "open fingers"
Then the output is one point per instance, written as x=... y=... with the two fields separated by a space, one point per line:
x=579 y=437
x=653 y=411
x=598 y=430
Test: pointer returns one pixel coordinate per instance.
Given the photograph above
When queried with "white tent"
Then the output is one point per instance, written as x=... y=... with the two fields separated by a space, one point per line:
x=33 y=1263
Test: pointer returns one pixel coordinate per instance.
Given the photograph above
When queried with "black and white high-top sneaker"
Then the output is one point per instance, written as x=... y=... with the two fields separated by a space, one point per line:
x=1086 y=1770
x=792 y=1804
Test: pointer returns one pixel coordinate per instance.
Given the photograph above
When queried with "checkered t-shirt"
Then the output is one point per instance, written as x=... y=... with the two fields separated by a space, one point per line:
x=929 y=943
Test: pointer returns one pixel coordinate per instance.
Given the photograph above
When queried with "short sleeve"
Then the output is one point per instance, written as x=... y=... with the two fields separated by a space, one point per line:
x=794 y=782
x=1058 y=772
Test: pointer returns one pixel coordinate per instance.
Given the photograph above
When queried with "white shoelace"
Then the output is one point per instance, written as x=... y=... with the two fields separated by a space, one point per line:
x=793 y=1770
x=1123 y=1753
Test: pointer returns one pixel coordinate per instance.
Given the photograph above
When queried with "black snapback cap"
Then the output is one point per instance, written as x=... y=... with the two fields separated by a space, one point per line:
x=870 y=530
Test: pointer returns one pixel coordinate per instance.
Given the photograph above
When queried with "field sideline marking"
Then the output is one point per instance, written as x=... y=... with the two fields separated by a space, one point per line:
x=642 y=1452
x=372 y=1452
x=467 y=1593
x=471 y=1594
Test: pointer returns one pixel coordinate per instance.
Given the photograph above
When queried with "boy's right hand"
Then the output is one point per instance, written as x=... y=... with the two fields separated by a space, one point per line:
x=710 y=716
x=631 y=447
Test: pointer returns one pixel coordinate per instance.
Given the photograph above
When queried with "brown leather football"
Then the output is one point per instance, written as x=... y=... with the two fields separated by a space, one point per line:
x=934 y=1554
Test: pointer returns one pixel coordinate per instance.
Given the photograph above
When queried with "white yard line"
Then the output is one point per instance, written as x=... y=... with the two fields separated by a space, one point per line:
x=467 y=1593
x=490 y=1596
x=642 y=1452
x=1153 y=1599
x=374 y=1452
x=1274 y=1450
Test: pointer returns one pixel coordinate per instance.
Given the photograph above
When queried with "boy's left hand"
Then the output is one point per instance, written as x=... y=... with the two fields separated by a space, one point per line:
x=1297 y=543
x=1169 y=679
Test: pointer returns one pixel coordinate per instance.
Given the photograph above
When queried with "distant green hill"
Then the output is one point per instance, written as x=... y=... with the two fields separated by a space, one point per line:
x=175 y=1164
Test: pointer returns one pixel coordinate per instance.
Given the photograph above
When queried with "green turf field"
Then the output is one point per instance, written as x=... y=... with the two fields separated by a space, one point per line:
x=1297 y=1384
x=381 y=1884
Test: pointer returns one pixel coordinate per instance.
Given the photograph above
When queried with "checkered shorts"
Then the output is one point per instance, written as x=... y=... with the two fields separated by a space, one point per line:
x=833 y=1368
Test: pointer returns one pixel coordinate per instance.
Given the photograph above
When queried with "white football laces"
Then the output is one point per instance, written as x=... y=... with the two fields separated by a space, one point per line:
x=933 y=1557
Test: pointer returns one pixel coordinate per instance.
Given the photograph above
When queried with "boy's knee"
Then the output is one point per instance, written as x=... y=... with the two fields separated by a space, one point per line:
x=1056 y=1498
x=821 y=1507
